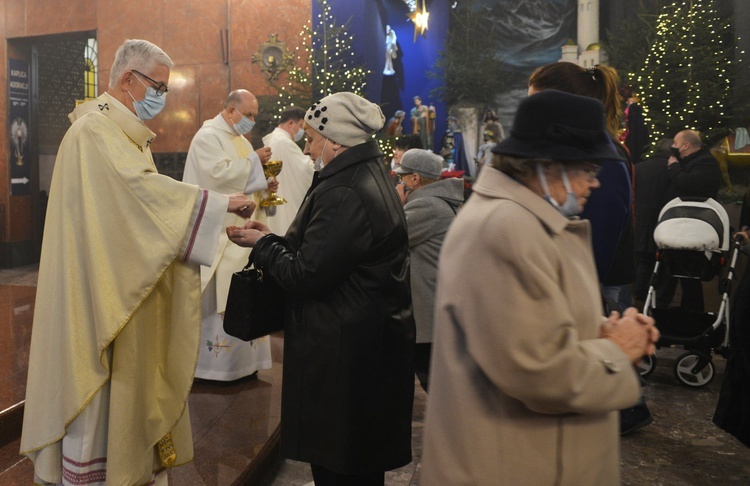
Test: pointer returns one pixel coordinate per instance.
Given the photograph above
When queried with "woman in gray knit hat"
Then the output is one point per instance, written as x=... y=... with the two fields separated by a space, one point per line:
x=349 y=333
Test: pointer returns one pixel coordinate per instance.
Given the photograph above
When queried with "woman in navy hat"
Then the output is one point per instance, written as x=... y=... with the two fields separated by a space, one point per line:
x=527 y=376
x=610 y=208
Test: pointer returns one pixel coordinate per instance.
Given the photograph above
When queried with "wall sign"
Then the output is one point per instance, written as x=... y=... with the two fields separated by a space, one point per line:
x=18 y=116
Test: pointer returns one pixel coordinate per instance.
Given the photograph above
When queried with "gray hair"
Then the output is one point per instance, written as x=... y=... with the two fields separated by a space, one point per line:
x=137 y=54
x=516 y=167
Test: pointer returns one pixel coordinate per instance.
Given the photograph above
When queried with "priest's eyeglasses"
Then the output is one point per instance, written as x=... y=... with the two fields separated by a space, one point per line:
x=161 y=88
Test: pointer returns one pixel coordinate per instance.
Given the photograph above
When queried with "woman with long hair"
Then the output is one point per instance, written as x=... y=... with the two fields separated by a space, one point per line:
x=610 y=208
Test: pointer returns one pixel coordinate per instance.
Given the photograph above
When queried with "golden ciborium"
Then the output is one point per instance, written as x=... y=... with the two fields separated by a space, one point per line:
x=272 y=169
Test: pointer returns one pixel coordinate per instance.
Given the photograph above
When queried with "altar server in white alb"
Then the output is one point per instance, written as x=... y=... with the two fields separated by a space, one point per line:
x=220 y=158
x=297 y=170
x=117 y=322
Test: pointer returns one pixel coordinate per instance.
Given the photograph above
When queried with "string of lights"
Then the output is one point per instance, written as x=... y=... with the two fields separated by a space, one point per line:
x=686 y=81
x=325 y=63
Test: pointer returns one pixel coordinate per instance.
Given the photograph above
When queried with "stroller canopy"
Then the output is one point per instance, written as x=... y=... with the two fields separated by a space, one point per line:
x=693 y=224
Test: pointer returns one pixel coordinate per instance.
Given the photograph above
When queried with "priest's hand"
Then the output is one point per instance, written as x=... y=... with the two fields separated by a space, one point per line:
x=248 y=235
x=264 y=154
x=273 y=184
x=240 y=205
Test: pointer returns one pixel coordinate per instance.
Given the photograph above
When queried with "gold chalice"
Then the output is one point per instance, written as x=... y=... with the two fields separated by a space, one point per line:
x=272 y=169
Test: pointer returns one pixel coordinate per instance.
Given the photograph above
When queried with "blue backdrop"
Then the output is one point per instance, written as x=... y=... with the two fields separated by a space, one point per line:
x=367 y=21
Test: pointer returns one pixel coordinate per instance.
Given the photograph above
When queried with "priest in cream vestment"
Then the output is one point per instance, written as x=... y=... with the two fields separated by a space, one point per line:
x=117 y=318
x=221 y=159
x=297 y=169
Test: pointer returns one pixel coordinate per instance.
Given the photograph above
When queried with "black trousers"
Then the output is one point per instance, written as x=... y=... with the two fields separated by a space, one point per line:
x=422 y=353
x=326 y=477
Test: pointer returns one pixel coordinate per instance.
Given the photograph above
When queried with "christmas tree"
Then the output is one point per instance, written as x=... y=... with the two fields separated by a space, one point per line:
x=326 y=63
x=468 y=66
x=629 y=42
x=687 y=77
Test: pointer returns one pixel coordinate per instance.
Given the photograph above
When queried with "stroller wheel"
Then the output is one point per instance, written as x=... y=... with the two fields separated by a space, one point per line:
x=686 y=370
x=647 y=365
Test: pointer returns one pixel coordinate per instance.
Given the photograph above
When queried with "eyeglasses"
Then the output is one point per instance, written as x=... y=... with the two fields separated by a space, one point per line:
x=591 y=171
x=400 y=177
x=161 y=88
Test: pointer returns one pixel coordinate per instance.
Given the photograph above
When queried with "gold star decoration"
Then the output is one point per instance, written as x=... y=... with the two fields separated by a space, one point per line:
x=420 y=19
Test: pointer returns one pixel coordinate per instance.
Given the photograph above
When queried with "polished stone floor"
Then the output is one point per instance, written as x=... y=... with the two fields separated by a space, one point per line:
x=233 y=421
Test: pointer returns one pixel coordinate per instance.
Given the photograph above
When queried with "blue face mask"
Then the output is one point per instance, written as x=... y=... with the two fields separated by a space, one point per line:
x=298 y=136
x=244 y=126
x=151 y=105
x=570 y=206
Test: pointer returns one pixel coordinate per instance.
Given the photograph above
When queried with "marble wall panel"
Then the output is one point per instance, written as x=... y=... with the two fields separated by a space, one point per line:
x=15 y=18
x=19 y=210
x=247 y=75
x=4 y=17
x=193 y=30
x=134 y=19
x=176 y=124
x=249 y=25
x=44 y=17
x=213 y=88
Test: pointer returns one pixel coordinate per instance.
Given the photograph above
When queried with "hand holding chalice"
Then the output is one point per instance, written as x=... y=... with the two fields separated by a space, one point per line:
x=272 y=168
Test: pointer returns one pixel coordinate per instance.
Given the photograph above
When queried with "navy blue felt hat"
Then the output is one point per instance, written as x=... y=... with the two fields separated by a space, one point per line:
x=559 y=126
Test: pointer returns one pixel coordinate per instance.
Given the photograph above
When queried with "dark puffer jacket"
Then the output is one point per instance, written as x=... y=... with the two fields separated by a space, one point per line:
x=348 y=383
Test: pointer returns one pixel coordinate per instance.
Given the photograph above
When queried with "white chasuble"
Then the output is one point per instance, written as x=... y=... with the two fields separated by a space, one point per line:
x=225 y=162
x=117 y=321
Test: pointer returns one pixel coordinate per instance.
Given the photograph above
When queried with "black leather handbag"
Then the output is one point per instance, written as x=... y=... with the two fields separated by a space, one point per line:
x=255 y=305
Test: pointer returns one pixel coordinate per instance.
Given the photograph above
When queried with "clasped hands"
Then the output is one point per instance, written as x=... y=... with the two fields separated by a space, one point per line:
x=633 y=332
x=249 y=234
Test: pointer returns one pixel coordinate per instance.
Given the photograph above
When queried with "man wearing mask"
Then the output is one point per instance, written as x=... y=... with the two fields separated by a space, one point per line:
x=693 y=172
x=116 y=327
x=297 y=171
x=220 y=158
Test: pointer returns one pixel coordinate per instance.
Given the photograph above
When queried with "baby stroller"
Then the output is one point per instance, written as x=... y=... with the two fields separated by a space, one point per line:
x=692 y=237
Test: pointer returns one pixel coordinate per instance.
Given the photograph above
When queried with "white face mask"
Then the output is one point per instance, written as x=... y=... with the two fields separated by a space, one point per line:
x=319 y=161
x=570 y=206
x=298 y=136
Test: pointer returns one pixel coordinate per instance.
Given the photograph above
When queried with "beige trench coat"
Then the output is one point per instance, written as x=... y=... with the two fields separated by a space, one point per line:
x=522 y=389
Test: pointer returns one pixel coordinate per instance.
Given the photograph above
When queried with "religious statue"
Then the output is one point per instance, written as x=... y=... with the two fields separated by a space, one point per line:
x=453 y=150
x=484 y=152
x=492 y=123
x=393 y=128
x=391 y=50
x=423 y=122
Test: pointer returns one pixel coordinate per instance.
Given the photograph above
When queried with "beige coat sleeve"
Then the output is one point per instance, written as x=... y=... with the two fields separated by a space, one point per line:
x=534 y=327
